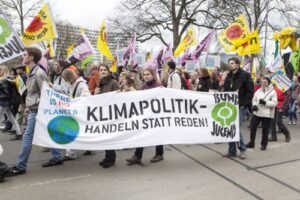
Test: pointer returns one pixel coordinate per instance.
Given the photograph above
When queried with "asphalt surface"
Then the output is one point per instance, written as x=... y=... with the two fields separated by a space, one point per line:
x=187 y=172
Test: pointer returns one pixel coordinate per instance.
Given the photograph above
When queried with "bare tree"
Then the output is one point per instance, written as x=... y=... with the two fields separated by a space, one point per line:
x=20 y=10
x=259 y=13
x=158 y=18
x=67 y=36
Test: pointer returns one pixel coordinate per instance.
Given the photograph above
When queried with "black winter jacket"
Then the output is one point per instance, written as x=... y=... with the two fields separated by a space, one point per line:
x=204 y=84
x=241 y=82
x=5 y=92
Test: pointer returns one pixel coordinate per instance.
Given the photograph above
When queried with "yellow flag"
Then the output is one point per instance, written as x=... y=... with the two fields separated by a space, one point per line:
x=27 y=70
x=51 y=49
x=255 y=65
x=235 y=34
x=114 y=66
x=251 y=46
x=70 y=49
x=102 y=43
x=41 y=28
x=188 y=41
x=287 y=38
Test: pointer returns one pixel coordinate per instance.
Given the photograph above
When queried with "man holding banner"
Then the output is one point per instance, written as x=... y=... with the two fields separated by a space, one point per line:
x=36 y=77
x=239 y=80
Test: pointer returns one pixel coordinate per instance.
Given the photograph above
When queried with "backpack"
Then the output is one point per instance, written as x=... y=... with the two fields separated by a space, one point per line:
x=183 y=83
x=74 y=92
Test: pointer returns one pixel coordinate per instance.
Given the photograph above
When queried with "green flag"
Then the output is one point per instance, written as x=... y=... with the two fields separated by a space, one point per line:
x=295 y=60
x=86 y=61
x=276 y=48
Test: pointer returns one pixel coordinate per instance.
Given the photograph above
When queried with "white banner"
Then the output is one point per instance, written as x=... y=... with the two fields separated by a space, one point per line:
x=209 y=61
x=135 y=119
x=10 y=42
x=21 y=85
x=119 y=54
x=276 y=64
x=191 y=65
x=140 y=59
x=281 y=80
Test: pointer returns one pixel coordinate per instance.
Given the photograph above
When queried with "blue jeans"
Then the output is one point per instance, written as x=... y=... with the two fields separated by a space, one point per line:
x=292 y=110
x=56 y=155
x=232 y=145
x=26 y=142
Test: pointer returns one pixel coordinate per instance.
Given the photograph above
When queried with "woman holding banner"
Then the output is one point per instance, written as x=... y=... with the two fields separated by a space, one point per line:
x=107 y=84
x=150 y=82
x=264 y=103
x=128 y=83
x=204 y=80
x=78 y=88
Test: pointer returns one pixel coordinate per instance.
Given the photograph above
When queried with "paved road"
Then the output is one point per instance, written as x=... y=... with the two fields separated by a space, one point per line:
x=188 y=172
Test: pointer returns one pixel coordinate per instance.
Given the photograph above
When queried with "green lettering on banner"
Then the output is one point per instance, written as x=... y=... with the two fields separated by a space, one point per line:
x=5 y=31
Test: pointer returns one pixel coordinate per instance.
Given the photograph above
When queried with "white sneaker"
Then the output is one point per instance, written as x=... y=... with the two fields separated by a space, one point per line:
x=294 y=123
x=289 y=123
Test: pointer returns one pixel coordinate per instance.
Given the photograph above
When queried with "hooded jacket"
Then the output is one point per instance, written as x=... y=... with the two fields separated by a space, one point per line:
x=34 y=85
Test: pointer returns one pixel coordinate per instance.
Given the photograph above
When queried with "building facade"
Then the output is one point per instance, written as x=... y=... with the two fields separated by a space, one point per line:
x=68 y=35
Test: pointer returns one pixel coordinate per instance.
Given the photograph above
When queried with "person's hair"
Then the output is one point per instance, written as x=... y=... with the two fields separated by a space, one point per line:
x=194 y=74
x=267 y=78
x=130 y=80
x=235 y=59
x=152 y=72
x=5 y=70
x=95 y=66
x=80 y=72
x=186 y=75
x=204 y=71
x=120 y=69
x=172 y=65
x=104 y=65
x=179 y=71
x=213 y=76
x=61 y=63
x=35 y=53
x=69 y=75
x=73 y=68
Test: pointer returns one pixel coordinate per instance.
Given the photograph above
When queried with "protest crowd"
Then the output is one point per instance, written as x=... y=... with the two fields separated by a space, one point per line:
x=262 y=102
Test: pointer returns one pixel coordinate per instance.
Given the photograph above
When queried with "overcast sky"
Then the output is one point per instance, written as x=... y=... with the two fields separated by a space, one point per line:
x=90 y=13
x=85 y=13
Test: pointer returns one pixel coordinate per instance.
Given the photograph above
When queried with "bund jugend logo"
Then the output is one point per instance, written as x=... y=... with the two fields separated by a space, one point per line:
x=224 y=115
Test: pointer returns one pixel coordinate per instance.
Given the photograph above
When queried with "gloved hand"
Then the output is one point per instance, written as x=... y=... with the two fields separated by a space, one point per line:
x=263 y=102
x=254 y=108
